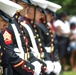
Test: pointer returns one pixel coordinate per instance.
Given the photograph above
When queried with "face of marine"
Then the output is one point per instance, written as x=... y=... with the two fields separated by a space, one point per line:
x=3 y=24
x=24 y=5
x=38 y=14
x=49 y=17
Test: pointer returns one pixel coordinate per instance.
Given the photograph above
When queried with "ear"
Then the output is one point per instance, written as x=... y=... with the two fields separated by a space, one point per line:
x=31 y=10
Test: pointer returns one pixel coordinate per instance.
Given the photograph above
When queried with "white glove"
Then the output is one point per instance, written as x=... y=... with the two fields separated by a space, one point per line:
x=57 y=67
x=50 y=67
x=37 y=66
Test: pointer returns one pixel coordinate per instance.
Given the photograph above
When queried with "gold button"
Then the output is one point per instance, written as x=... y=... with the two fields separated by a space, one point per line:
x=52 y=40
x=0 y=47
x=22 y=31
x=16 y=16
x=24 y=65
x=44 y=66
x=40 y=44
x=47 y=33
x=52 y=49
x=31 y=21
x=34 y=26
x=39 y=40
x=34 y=36
x=41 y=49
x=28 y=67
x=1 y=54
x=20 y=26
x=37 y=35
x=24 y=37
x=4 y=48
x=51 y=35
x=51 y=44
x=35 y=30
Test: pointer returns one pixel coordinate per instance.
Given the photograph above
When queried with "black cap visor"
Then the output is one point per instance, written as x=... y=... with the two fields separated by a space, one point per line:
x=50 y=12
x=27 y=1
x=41 y=10
x=4 y=16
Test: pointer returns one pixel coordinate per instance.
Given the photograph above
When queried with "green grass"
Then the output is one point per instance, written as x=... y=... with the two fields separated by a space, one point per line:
x=68 y=73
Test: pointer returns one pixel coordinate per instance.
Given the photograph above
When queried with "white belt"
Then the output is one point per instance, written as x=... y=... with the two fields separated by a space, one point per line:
x=24 y=56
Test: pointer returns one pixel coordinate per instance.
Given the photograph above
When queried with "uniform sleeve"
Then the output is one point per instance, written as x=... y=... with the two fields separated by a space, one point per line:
x=17 y=63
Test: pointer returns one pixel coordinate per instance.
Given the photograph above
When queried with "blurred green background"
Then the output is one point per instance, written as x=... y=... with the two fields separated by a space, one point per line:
x=67 y=5
x=68 y=73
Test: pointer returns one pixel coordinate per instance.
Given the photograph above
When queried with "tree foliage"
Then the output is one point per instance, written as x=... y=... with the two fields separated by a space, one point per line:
x=67 y=5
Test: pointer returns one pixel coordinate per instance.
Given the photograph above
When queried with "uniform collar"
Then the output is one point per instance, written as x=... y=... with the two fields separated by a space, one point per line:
x=29 y=21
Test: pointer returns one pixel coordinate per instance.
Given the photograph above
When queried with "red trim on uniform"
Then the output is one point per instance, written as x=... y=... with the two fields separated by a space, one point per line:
x=25 y=68
x=52 y=27
x=18 y=64
x=44 y=69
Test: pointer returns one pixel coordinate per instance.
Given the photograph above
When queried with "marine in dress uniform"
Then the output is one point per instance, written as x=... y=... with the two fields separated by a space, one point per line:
x=19 y=65
x=3 y=57
x=37 y=62
x=26 y=33
x=40 y=48
x=47 y=36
